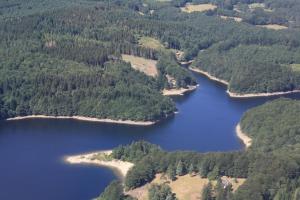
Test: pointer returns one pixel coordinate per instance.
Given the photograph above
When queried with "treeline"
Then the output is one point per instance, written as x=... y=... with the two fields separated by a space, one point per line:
x=275 y=125
x=271 y=165
x=252 y=68
x=95 y=34
x=150 y=159
x=37 y=84
x=168 y=65
x=114 y=191
x=52 y=64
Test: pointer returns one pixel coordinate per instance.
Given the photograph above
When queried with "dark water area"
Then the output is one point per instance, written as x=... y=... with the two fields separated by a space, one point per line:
x=32 y=151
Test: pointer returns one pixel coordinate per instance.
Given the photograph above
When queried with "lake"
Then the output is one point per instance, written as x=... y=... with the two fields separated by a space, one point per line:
x=32 y=150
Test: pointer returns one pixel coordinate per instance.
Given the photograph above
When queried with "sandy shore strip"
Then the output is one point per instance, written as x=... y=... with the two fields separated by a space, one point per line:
x=101 y=158
x=243 y=136
x=211 y=77
x=237 y=95
x=82 y=118
x=180 y=91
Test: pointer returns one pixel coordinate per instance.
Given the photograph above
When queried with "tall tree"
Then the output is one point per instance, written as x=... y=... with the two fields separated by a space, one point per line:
x=207 y=192
x=180 y=168
x=171 y=172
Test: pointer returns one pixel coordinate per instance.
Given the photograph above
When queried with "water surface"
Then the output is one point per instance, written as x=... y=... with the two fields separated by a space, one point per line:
x=32 y=150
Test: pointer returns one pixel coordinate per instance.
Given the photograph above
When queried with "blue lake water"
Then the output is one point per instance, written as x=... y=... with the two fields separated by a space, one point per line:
x=32 y=151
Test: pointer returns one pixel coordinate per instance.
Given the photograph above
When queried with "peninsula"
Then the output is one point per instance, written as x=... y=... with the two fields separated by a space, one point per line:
x=101 y=158
x=238 y=95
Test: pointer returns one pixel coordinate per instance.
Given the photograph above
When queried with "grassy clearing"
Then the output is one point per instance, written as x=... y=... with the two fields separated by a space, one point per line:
x=150 y=42
x=185 y=187
x=273 y=26
x=189 y=8
x=295 y=67
x=237 y=19
x=146 y=66
x=254 y=6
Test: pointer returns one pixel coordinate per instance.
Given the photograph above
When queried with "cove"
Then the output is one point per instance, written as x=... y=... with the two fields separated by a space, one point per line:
x=32 y=150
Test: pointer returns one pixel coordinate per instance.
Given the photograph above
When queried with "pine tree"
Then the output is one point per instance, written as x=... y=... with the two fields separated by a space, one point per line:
x=171 y=173
x=180 y=168
x=207 y=192
x=191 y=169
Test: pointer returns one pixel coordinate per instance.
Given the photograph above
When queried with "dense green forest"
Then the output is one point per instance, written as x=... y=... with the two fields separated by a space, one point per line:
x=65 y=58
x=267 y=68
x=271 y=165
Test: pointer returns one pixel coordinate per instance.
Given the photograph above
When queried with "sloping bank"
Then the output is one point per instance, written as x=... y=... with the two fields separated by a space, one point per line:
x=237 y=95
x=82 y=118
x=243 y=136
x=179 y=91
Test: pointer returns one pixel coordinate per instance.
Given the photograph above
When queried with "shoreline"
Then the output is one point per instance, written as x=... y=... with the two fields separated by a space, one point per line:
x=211 y=77
x=180 y=91
x=82 y=118
x=243 y=136
x=237 y=95
x=249 y=95
x=118 y=166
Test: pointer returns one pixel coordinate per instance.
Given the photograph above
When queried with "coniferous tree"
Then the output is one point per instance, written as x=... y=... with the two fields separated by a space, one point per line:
x=171 y=172
x=206 y=193
x=191 y=169
x=180 y=170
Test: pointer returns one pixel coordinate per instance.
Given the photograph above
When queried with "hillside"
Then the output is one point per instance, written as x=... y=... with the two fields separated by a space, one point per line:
x=66 y=58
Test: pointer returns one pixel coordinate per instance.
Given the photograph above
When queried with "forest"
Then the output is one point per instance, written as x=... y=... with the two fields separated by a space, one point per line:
x=65 y=59
x=271 y=165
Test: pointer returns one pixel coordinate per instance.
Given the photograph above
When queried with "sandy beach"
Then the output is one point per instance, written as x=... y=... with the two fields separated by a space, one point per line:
x=82 y=118
x=98 y=158
x=245 y=139
x=180 y=91
x=237 y=95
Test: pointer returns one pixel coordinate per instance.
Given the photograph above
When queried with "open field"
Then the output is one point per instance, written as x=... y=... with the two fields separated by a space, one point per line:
x=146 y=66
x=273 y=26
x=254 y=6
x=185 y=187
x=150 y=42
x=189 y=8
x=237 y=19
x=295 y=67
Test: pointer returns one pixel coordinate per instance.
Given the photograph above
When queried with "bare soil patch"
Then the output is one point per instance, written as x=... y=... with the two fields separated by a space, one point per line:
x=189 y=8
x=144 y=65
x=273 y=26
